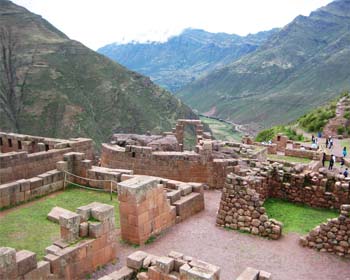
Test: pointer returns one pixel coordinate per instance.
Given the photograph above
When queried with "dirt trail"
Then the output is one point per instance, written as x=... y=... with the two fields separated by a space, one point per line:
x=233 y=251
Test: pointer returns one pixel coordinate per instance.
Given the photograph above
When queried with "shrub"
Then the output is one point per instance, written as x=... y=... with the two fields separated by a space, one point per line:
x=340 y=130
x=265 y=135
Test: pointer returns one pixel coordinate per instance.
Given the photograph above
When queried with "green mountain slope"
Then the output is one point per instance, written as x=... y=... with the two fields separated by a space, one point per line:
x=305 y=64
x=185 y=57
x=71 y=90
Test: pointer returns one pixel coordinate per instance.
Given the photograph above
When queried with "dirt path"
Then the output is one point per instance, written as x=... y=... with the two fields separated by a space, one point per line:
x=234 y=251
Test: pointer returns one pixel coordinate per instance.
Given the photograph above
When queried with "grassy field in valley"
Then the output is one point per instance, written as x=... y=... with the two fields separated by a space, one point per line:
x=295 y=217
x=221 y=130
x=26 y=227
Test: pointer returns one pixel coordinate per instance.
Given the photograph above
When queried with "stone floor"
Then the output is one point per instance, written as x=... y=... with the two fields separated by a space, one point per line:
x=233 y=251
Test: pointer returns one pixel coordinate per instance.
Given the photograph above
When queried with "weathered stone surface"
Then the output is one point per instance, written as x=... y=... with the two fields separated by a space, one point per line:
x=135 y=260
x=249 y=274
x=56 y=212
x=26 y=261
x=125 y=273
x=165 y=264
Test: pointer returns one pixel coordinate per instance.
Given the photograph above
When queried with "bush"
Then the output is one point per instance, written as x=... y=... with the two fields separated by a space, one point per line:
x=340 y=130
x=265 y=135
x=269 y=134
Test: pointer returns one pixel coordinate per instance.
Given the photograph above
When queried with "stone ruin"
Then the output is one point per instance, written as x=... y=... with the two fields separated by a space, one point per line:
x=83 y=247
x=332 y=236
x=175 y=266
x=158 y=186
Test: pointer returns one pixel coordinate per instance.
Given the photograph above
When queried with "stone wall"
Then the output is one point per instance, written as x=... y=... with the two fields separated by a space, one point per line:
x=241 y=207
x=83 y=247
x=18 y=164
x=310 y=154
x=175 y=266
x=149 y=205
x=332 y=236
x=182 y=166
x=27 y=189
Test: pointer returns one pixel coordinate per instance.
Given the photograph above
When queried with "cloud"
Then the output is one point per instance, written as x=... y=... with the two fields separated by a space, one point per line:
x=96 y=23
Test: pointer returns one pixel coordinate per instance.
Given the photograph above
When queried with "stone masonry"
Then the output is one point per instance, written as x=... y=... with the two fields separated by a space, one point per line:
x=332 y=236
x=241 y=208
x=149 y=205
x=175 y=266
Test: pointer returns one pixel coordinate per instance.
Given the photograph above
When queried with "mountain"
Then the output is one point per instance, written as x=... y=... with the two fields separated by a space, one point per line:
x=185 y=57
x=300 y=67
x=60 y=88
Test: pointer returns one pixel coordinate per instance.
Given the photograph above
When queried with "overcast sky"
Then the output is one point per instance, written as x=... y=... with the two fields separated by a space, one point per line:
x=97 y=23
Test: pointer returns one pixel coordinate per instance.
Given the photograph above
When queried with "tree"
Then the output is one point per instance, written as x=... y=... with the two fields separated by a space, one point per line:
x=14 y=72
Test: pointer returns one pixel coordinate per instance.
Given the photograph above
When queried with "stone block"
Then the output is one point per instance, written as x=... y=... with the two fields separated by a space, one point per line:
x=52 y=249
x=165 y=264
x=249 y=274
x=174 y=195
x=8 y=267
x=84 y=212
x=125 y=273
x=102 y=212
x=35 y=183
x=185 y=189
x=24 y=185
x=62 y=165
x=175 y=255
x=84 y=229
x=95 y=229
x=56 y=212
x=69 y=225
x=42 y=272
x=135 y=260
x=26 y=261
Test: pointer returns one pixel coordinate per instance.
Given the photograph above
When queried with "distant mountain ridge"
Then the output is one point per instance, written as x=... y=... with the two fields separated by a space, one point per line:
x=72 y=91
x=300 y=67
x=185 y=57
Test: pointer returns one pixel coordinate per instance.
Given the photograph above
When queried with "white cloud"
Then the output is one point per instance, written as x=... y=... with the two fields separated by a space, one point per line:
x=96 y=23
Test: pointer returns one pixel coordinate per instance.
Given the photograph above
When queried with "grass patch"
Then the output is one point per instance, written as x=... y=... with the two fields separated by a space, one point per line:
x=289 y=159
x=221 y=130
x=295 y=217
x=345 y=143
x=28 y=228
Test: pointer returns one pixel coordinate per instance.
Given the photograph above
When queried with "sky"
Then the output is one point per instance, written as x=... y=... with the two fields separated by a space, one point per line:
x=97 y=23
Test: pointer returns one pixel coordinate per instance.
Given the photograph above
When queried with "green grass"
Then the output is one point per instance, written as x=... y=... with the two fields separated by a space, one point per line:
x=295 y=217
x=345 y=143
x=268 y=134
x=221 y=130
x=289 y=158
x=28 y=228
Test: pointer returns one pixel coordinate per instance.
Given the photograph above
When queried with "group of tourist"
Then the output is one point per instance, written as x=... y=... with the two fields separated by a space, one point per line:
x=332 y=159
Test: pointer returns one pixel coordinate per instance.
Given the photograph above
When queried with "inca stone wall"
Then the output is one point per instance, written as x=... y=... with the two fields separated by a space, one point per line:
x=241 y=207
x=28 y=189
x=149 y=205
x=36 y=156
x=71 y=257
x=332 y=236
x=181 y=166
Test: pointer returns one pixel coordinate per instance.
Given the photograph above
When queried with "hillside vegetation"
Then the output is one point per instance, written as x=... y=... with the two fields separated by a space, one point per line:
x=185 y=57
x=72 y=91
x=302 y=66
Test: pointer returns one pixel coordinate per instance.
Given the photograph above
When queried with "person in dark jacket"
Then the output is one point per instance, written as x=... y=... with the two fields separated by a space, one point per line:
x=324 y=159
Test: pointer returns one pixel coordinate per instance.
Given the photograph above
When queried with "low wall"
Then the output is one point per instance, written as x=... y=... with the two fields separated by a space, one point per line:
x=241 y=207
x=182 y=166
x=314 y=155
x=27 y=189
x=84 y=246
x=149 y=205
x=23 y=164
x=332 y=236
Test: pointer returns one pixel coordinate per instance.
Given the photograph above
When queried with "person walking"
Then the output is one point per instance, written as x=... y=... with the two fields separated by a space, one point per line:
x=346 y=173
x=331 y=163
x=313 y=139
x=327 y=142
x=345 y=152
x=330 y=143
x=342 y=163
x=324 y=156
